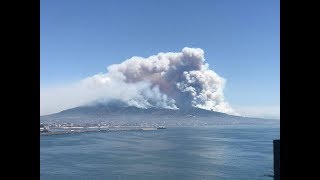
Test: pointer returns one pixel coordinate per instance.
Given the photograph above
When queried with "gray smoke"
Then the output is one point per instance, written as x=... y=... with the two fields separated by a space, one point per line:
x=168 y=80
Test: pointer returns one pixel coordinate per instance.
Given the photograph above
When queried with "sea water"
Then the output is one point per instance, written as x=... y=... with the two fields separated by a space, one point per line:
x=215 y=152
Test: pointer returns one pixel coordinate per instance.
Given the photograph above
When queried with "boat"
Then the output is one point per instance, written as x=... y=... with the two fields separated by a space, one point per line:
x=161 y=127
x=44 y=129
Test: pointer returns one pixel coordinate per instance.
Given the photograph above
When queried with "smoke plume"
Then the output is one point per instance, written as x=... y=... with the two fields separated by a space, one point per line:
x=175 y=80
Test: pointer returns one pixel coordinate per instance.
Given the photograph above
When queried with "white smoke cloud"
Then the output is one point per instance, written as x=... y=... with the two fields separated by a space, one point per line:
x=167 y=80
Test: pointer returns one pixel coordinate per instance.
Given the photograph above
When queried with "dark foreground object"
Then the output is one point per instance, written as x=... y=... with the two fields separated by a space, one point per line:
x=276 y=159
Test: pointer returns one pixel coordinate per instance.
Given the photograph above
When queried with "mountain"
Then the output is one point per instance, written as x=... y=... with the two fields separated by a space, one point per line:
x=118 y=113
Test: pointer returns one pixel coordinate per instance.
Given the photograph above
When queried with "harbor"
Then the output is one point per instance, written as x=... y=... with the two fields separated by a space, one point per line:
x=68 y=128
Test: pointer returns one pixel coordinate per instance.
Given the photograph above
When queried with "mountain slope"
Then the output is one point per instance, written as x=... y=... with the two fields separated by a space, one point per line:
x=121 y=114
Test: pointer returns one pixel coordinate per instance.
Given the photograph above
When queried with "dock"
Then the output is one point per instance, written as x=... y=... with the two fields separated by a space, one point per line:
x=276 y=159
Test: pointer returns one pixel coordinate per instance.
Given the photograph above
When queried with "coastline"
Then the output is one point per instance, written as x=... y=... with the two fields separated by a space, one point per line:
x=87 y=130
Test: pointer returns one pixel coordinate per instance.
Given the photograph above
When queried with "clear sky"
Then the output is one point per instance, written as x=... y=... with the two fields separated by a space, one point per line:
x=240 y=38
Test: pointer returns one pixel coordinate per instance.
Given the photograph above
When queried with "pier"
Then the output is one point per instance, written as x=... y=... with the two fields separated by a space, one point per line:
x=276 y=159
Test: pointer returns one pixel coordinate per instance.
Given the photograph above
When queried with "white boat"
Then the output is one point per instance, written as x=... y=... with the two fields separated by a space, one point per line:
x=161 y=127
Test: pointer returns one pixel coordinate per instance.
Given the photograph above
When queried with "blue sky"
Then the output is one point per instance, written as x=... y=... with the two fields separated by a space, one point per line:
x=241 y=40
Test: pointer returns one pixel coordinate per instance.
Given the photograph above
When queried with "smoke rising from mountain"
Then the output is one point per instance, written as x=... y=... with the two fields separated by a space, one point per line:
x=168 y=80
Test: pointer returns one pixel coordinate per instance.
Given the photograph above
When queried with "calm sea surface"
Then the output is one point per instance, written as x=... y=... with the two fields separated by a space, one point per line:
x=218 y=152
